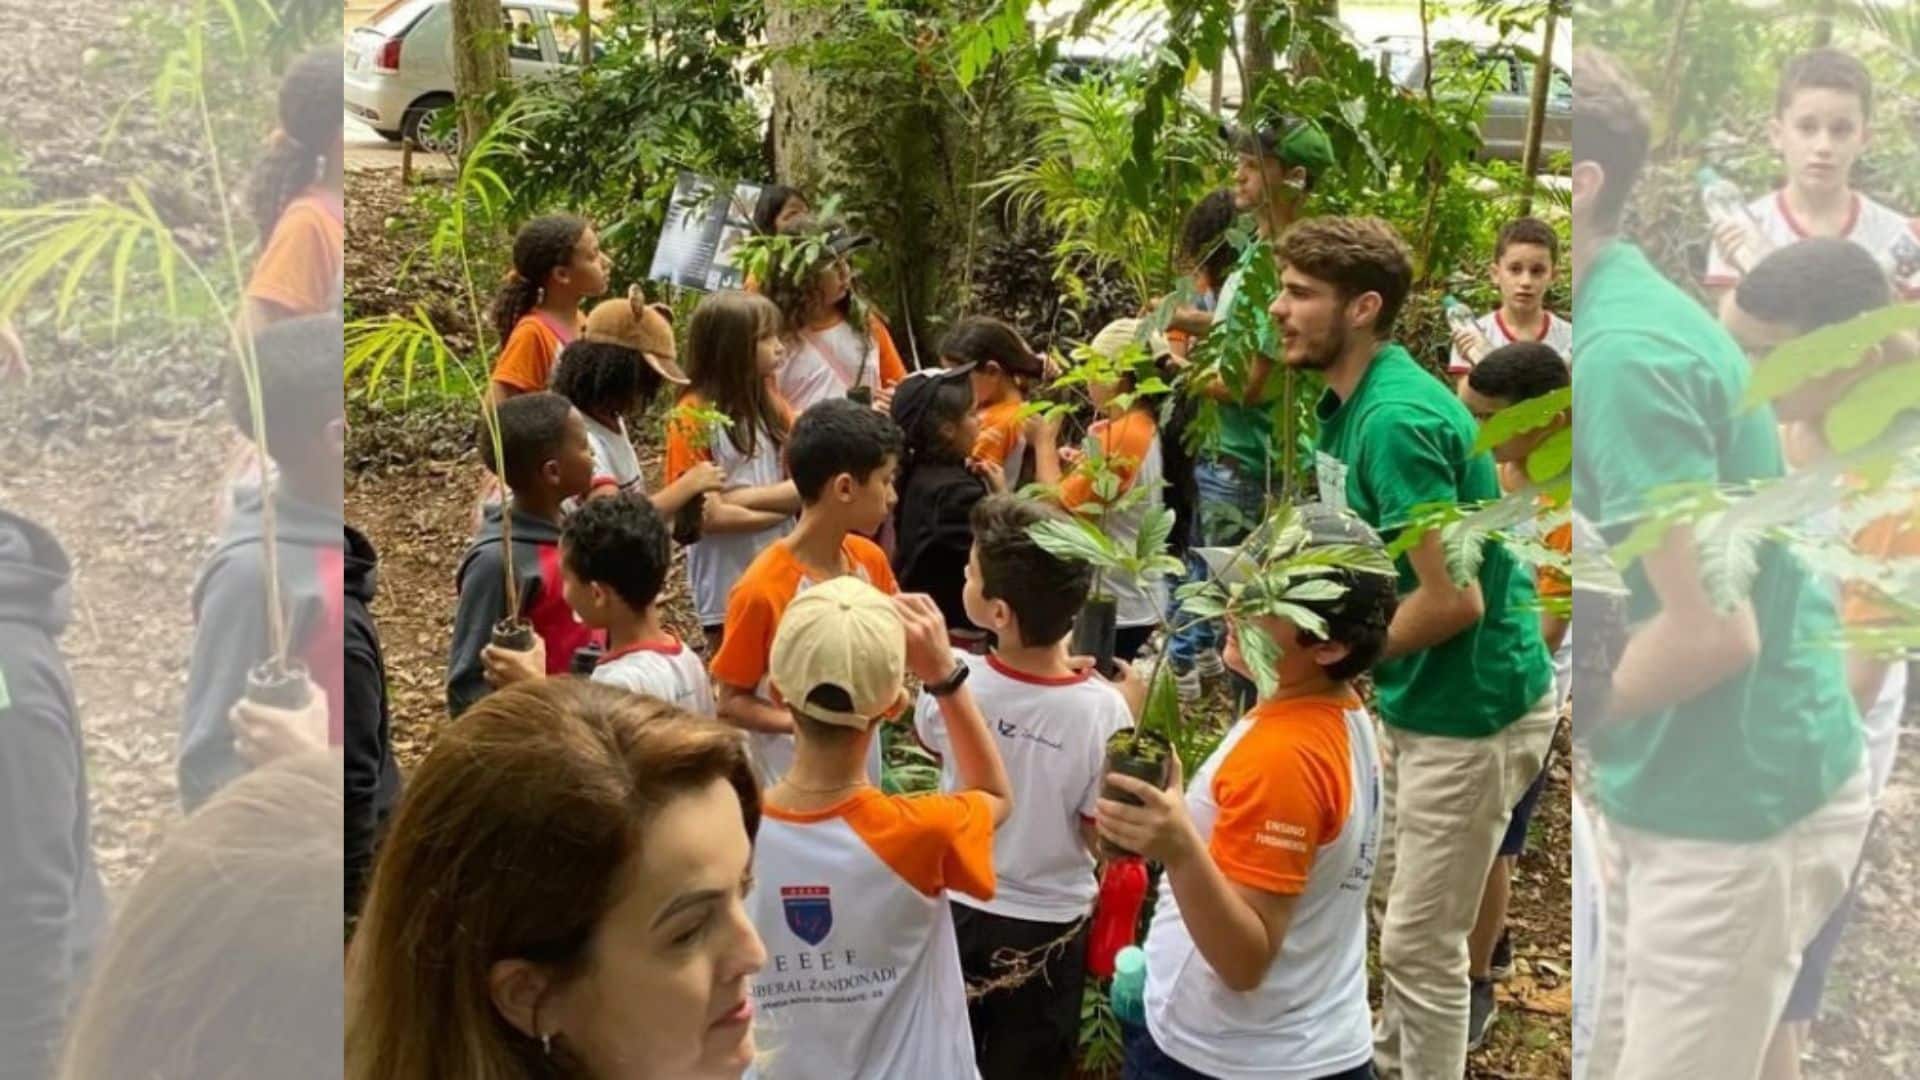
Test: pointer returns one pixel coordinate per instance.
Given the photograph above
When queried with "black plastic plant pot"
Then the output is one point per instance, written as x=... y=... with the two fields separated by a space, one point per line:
x=686 y=521
x=585 y=659
x=513 y=634
x=861 y=394
x=1095 y=632
x=1142 y=754
x=277 y=685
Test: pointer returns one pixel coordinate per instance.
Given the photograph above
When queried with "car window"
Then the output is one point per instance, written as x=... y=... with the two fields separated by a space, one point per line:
x=1558 y=87
x=398 y=16
x=523 y=35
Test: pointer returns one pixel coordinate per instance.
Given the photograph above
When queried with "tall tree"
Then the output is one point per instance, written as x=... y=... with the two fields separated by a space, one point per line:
x=1537 y=109
x=479 y=61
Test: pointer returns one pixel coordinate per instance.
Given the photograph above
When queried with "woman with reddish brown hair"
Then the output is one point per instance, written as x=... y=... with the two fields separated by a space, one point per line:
x=560 y=896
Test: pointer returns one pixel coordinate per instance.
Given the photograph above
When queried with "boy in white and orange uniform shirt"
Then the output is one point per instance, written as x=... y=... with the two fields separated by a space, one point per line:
x=863 y=978
x=1257 y=953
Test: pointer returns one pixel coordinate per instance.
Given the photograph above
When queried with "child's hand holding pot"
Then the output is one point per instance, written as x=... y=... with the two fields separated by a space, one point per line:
x=508 y=666
x=262 y=733
x=1159 y=828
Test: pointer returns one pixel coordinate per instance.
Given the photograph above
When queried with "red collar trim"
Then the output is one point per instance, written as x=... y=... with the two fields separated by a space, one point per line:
x=1799 y=230
x=1546 y=325
x=670 y=647
x=994 y=662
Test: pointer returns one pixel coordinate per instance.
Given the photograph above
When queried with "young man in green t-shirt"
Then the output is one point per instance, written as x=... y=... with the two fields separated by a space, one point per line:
x=1465 y=686
x=1729 y=763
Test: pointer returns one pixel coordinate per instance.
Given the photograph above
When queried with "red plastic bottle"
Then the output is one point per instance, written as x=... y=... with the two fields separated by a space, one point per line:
x=1123 y=889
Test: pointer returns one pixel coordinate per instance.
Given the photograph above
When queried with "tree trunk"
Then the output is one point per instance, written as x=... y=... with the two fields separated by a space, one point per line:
x=586 y=34
x=479 y=61
x=1537 y=114
x=1257 y=67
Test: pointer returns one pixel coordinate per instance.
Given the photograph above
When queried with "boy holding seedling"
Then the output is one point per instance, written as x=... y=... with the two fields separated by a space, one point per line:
x=1257 y=953
x=614 y=558
x=862 y=977
x=1821 y=114
x=548 y=460
x=1511 y=375
x=1051 y=723
x=842 y=456
x=299 y=383
x=1524 y=258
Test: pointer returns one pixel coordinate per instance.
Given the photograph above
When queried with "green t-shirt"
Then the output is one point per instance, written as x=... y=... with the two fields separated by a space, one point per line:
x=1246 y=431
x=1660 y=387
x=1400 y=442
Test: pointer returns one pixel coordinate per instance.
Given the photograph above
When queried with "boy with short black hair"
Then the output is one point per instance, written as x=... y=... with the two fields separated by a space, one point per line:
x=614 y=557
x=303 y=412
x=1257 y=953
x=548 y=461
x=842 y=457
x=862 y=978
x=1524 y=260
x=1051 y=723
x=1822 y=113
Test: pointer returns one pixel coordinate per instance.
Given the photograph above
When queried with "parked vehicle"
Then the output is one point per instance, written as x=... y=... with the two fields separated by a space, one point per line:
x=399 y=64
x=1502 y=74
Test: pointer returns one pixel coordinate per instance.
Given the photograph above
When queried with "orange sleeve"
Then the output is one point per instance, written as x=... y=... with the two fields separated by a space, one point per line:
x=1124 y=443
x=997 y=426
x=301 y=263
x=933 y=842
x=892 y=369
x=526 y=360
x=753 y=612
x=1279 y=800
x=682 y=439
x=1894 y=536
x=874 y=562
x=1552 y=580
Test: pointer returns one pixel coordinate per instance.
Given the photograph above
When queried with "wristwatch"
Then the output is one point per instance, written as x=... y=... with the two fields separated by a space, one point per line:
x=948 y=686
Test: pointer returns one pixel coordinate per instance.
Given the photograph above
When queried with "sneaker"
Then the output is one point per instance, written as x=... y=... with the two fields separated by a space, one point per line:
x=1187 y=685
x=1209 y=665
x=1481 y=1009
x=1502 y=966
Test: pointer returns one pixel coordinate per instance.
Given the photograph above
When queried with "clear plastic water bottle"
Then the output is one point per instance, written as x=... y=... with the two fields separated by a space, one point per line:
x=1726 y=205
x=1460 y=320
x=1127 y=995
x=1904 y=263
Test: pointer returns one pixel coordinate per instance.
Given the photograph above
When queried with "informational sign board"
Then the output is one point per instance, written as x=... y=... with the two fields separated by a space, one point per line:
x=704 y=225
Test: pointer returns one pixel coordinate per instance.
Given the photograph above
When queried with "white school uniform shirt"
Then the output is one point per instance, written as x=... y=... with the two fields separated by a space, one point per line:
x=824 y=364
x=1289 y=802
x=614 y=459
x=669 y=671
x=1052 y=735
x=1871 y=225
x=1493 y=326
x=717 y=560
x=863 y=979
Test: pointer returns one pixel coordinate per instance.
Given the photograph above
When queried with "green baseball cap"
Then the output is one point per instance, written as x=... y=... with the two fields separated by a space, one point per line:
x=1290 y=140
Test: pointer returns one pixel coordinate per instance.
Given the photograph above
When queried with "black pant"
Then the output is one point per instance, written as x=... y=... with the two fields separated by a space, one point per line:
x=1028 y=1031
x=1129 y=640
x=1146 y=1061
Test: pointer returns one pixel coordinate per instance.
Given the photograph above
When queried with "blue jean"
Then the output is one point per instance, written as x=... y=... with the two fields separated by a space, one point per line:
x=1216 y=484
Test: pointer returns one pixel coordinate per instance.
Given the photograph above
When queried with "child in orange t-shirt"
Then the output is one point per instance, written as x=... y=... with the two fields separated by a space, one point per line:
x=843 y=456
x=863 y=974
x=1004 y=370
x=557 y=263
x=296 y=199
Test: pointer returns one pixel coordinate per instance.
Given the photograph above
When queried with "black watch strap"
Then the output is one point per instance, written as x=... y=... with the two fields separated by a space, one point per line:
x=947 y=686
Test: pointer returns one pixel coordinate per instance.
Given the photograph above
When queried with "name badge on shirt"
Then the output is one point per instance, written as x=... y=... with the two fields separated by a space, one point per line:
x=1331 y=474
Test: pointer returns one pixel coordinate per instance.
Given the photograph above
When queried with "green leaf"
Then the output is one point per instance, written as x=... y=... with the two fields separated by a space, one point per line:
x=1872 y=404
x=1522 y=418
x=1827 y=350
x=1077 y=541
x=1261 y=653
x=1315 y=589
x=1154 y=531
x=1552 y=458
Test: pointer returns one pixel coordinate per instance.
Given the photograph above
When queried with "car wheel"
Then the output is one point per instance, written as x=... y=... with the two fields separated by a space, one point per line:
x=420 y=122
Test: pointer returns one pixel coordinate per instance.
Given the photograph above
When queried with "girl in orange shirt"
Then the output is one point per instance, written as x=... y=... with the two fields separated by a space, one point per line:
x=295 y=196
x=1004 y=370
x=557 y=263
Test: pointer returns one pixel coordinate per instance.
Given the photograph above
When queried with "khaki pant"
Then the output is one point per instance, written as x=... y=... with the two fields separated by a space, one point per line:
x=1445 y=804
x=1704 y=940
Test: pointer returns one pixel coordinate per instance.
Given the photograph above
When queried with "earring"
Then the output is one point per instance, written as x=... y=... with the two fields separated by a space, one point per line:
x=546 y=1044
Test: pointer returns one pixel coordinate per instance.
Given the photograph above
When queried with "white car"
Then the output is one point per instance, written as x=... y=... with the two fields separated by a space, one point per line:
x=399 y=64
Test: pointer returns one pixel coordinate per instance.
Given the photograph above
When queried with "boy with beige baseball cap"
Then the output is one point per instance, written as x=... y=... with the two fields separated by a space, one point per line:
x=863 y=974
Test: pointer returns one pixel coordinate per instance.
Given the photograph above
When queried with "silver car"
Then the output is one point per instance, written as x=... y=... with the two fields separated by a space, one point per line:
x=1507 y=90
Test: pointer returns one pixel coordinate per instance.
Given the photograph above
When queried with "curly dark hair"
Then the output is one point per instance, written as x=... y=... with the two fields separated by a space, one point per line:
x=542 y=246
x=302 y=150
x=790 y=287
x=620 y=542
x=1204 y=239
x=603 y=379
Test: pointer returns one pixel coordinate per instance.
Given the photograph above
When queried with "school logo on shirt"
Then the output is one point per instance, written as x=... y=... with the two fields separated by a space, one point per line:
x=809 y=911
